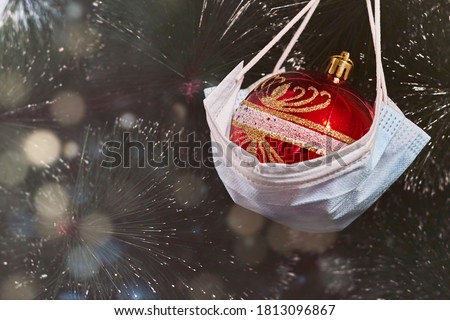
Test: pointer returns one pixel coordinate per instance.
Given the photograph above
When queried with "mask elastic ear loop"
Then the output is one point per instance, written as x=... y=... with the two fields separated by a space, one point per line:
x=375 y=26
x=294 y=40
x=275 y=40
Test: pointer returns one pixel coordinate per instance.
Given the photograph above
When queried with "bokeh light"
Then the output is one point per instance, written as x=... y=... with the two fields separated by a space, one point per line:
x=71 y=149
x=51 y=201
x=244 y=222
x=13 y=168
x=42 y=148
x=69 y=108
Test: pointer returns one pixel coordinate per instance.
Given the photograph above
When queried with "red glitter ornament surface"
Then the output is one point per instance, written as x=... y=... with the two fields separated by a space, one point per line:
x=298 y=116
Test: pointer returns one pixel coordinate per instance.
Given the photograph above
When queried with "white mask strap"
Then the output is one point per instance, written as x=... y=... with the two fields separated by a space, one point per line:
x=375 y=26
x=277 y=38
x=294 y=40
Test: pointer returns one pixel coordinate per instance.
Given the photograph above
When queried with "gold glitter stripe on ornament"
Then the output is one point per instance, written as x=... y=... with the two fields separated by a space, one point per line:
x=303 y=122
x=258 y=136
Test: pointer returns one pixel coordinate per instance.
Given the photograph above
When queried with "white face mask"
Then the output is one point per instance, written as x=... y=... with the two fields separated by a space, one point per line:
x=325 y=194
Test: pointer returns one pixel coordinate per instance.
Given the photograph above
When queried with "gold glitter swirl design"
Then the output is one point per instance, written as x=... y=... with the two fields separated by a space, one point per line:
x=306 y=123
x=257 y=142
x=294 y=104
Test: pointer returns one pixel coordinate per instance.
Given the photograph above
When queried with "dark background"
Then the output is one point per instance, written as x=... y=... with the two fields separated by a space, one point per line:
x=175 y=233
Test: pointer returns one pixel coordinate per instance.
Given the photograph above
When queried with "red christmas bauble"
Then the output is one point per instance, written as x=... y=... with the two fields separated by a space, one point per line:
x=299 y=116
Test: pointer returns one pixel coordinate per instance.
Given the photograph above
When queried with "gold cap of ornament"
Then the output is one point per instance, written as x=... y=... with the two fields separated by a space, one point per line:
x=340 y=66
